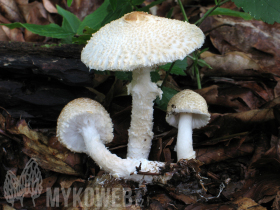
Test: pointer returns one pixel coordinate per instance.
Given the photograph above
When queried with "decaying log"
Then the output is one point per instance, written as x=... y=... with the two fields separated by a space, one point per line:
x=36 y=81
x=20 y=59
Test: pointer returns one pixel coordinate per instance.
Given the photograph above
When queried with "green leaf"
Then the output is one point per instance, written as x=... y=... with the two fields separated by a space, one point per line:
x=82 y=39
x=119 y=12
x=182 y=64
x=155 y=76
x=113 y=4
x=265 y=10
x=202 y=63
x=169 y=14
x=229 y=12
x=51 y=30
x=89 y=30
x=123 y=75
x=67 y=40
x=105 y=14
x=168 y=93
x=70 y=21
x=137 y=2
x=95 y=19
x=69 y=2
x=178 y=68
x=202 y=51
x=146 y=8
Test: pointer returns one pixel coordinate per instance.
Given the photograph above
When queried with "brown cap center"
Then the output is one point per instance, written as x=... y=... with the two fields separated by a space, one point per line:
x=134 y=16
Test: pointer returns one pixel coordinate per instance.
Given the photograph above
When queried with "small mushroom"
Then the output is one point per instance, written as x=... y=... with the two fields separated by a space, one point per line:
x=186 y=110
x=85 y=126
x=139 y=42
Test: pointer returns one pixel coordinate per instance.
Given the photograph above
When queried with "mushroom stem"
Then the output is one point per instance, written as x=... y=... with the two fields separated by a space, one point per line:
x=111 y=163
x=184 y=145
x=143 y=92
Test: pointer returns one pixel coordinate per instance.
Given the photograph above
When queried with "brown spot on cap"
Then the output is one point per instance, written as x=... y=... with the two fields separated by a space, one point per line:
x=134 y=16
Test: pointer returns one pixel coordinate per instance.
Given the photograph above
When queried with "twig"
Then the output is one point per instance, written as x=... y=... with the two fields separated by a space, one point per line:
x=183 y=10
x=118 y=147
x=197 y=75
x=148 y=173
x=227 y=137
x=198 y=23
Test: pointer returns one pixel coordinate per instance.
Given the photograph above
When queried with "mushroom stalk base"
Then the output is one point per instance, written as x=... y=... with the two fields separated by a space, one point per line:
x=184 y=145
x=111 y=163
x=143 y=92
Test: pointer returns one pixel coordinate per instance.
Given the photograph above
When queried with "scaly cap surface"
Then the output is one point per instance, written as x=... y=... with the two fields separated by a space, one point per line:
x=81 y=112
x=140 y=40
x=188 y=101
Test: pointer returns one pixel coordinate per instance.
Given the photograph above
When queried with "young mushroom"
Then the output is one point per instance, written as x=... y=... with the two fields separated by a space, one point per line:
x=139 y=42
x=85 y=126
x=186 y=110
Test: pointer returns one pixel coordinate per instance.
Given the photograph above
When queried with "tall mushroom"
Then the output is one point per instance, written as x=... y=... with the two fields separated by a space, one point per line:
x=186 y=110
x=85 y=126
x=139 y=42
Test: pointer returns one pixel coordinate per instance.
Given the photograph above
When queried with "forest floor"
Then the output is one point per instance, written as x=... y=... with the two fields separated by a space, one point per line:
x=238 y=155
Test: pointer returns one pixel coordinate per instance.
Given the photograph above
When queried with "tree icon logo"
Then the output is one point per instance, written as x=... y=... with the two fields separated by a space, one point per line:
x=29 y=183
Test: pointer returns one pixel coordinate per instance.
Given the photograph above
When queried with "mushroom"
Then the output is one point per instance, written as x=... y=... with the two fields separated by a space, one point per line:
x=85 y=126
x=139 y=42
x=186 y=110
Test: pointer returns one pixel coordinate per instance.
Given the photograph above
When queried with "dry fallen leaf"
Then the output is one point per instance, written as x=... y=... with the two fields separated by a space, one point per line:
x=22 y=1
x=36 y=146
x=257 y=39
x=47 y=183
x=49 y=6
x=223 y=125
x=239 y=204
x=260 y=187
x=247 y=203
x=231 y=64
x=114 y=193
x=276 y=202
x=232 y=96
x=10 y=10
x=6 y=207
x=187 y=199
x=82 y=8
x=7 y=34
x=34 y=13
x=220 y=153
x=3 y=36
x=163 y=199
x=66 y=181
x=13 y=34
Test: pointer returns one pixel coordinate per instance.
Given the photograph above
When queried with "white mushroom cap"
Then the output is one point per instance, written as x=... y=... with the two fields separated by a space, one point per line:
x=188 y=101
x=75 y=115
x=140 y=40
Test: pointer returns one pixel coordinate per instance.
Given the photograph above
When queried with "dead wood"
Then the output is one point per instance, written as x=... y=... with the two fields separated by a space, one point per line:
x=37 y=81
